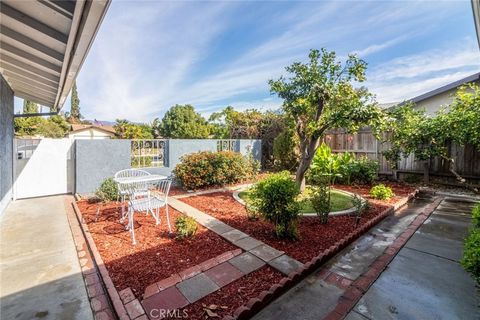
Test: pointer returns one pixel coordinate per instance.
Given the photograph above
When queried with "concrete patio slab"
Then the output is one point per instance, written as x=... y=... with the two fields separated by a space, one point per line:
x=168 y=299
x=418 y=285
x=265 y=252
x=197 y=287
x=285 y=264
x=247 y=262
x=40 y=276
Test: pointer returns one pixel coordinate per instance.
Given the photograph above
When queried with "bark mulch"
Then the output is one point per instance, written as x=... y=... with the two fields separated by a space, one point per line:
x=314 y=236
x=157 y=254
x=226 y=300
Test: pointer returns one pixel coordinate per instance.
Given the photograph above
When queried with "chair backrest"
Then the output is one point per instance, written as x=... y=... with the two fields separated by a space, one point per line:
x=128 y=188
x=128 y=173
x=163 y=187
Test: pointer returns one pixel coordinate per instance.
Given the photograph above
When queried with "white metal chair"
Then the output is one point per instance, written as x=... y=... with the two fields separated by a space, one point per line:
x=124 y=189
x=155 y=200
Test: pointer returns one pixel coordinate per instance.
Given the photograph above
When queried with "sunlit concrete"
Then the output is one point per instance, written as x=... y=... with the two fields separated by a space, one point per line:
x=40 y=276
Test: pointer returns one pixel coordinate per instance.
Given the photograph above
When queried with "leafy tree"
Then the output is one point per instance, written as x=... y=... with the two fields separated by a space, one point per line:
x=182 y=122
x=285 y=149
x=30 y=107
x=414 y=132
x=319 y=95
x=75 y=115
x=26 y=126
x=127 y=130
x=52 y=127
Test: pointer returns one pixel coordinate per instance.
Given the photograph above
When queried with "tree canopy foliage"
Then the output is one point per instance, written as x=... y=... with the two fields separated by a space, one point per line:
x=319 y=95
x=75 y=116
x=182 y=122
x=127 y=130
x=414 y=132
x=30 y=107
x=51 y=127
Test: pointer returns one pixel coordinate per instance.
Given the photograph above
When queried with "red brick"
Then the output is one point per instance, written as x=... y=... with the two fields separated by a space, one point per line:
x=237 y=252
x=224 y=274
x=344 y=283
x=352 y=294
x=363 y=283
x=126 y=295
x=323 y=273
x=150 y=290
x=190 y=272
x=104 y=315
x=224 y=257
x=168 y=299
x=391 y=251
x=134 y=309
x=333 y=316
x=95 y=290
x=142 y=317
x=92 y=279
x=210 y=263
x=168 y=282
x=99 y=303
x=343 y=306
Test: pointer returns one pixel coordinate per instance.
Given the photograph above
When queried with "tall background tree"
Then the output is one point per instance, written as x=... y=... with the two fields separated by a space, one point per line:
x=75 y=116
x=319 y=95
x=30 y=107
x=127 y=130
x=183 y=122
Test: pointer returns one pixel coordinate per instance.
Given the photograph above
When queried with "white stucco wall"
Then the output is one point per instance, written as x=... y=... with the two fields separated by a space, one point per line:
x=90 y=133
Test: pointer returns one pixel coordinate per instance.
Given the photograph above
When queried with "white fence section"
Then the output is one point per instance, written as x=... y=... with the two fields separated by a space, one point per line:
x=43 y=167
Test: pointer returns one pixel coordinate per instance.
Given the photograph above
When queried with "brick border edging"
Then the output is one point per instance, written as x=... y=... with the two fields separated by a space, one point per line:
x=254 y=305
x=358 y=287
x=118 y=304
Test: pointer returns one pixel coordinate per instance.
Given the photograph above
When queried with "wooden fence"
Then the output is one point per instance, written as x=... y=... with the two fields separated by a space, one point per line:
x=363 y=143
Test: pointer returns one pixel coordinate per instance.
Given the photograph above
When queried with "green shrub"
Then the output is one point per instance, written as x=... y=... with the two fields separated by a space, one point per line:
x=360 y=207
x=186 y=227
x=205 y=169
x=341 y=168
x=285 y=151
x=274 y=198
x=381 y=192
x=320 y=199
x=471 y=253
x=108 y=190
x=476 y=216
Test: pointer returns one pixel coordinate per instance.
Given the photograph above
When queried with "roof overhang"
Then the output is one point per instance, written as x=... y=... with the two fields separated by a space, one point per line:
x=476 y=18
x=43 y=45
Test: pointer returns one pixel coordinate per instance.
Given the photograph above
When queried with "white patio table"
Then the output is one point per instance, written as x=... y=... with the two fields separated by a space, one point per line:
x=150 y=179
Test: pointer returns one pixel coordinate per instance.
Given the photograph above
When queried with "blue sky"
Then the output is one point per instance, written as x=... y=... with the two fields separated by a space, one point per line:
x=150 y=55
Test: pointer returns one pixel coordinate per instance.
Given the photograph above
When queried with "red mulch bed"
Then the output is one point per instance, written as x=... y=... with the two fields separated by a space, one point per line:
x=156 y=256
x=314 y=236
x=236 y=294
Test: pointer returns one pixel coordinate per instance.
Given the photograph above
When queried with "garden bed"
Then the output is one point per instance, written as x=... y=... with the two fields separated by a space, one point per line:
x=157 y=254
x=314 y=236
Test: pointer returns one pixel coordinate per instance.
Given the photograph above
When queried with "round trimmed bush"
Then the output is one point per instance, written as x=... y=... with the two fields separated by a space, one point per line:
x=206 y=169
x=381 y=192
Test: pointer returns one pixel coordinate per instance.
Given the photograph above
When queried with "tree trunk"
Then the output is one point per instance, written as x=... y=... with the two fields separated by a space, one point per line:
x=426 y=171
x=307 y=153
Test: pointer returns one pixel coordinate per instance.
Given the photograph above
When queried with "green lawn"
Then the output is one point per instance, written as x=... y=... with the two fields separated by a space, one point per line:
x=340 y=201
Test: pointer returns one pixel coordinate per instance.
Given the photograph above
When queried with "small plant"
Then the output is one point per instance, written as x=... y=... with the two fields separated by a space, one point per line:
x=471 y=250
x=186 y=227
x=360 y=207
x=108 y=190
x=381 y=192
x=274 y=198
x=321 y=201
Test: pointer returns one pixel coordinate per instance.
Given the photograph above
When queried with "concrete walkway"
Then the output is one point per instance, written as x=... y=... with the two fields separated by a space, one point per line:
x=425 y=279
x=40 y=277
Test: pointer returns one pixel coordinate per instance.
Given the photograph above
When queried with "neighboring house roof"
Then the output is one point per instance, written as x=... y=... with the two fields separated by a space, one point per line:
x=82 y=127
x=476 y=18
x=43 y=45
x=453 y=85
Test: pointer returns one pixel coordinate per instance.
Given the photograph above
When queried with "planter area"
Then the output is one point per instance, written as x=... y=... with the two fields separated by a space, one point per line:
x=146 y=274
x=314 y=236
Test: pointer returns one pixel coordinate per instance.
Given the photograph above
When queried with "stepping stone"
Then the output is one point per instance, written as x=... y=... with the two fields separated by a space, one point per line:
x=247 y=262
x=223 y=274
x=197 y=287
x=285 y=264
x=265 y=252
x=168 y=299
x=247 y=243
x=234 y=235
x=218 y=227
